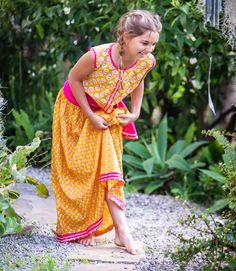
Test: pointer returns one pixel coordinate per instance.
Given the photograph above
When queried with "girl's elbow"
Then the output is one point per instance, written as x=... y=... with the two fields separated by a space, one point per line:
x=72 y=78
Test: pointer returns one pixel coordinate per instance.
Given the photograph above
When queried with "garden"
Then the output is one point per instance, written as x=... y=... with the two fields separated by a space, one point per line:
x=186 y=150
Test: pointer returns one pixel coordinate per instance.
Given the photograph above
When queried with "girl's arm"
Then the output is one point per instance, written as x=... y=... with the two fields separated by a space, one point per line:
x=84 y=67
x=136 y=99
x=136 y=102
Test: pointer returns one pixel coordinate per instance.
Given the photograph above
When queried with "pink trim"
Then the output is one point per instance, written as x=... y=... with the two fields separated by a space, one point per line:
x=81 y=234
x=69 y=95
x=95 y=57
x=119 y=202
x=129 y=134
x=115 y=89
x=113 y=63
x=111 y=176
x=154 y=63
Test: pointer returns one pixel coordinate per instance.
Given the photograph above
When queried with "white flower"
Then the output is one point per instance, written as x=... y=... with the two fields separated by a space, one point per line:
x=193 y=60
x=66 y=10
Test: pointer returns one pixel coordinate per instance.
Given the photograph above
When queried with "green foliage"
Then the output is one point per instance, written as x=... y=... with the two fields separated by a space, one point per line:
x=46 y=263
x=217 y=240
x=49 y=264
x=38 y=122
x=151 y=165
x=228 y=167
x=9 y=220
x=178 y=83
x=13 y=170
x=214 y=241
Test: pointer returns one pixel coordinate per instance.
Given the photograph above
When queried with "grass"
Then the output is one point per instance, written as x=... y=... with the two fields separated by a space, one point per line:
x=47 y=263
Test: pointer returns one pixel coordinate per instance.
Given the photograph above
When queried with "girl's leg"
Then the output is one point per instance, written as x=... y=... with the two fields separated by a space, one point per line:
x=122 y=232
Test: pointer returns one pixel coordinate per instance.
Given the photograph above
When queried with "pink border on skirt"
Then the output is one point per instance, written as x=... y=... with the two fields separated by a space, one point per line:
x=81 y=234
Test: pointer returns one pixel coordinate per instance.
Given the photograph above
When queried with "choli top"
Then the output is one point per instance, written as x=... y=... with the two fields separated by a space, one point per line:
x=104 y=83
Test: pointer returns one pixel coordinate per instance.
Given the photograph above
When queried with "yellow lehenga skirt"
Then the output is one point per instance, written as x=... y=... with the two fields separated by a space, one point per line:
x=85 y=162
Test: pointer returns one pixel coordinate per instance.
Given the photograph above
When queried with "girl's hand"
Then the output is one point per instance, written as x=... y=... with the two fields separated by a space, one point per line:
x=98 y=122
x=127 y=118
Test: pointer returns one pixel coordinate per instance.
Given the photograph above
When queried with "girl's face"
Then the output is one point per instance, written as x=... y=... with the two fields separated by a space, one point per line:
x=140 y=46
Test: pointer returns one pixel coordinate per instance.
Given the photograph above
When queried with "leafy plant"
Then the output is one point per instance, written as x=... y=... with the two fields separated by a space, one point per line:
x=228 y=170
x=151 y=165
x=38 y=122
x=13 y=170
x=214 y=242
x=217 y=240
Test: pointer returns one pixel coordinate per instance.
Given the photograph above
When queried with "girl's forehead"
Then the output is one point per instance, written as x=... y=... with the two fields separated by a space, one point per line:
x=149 y=36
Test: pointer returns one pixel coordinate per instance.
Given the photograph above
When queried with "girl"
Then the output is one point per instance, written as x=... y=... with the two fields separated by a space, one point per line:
x=89 y=122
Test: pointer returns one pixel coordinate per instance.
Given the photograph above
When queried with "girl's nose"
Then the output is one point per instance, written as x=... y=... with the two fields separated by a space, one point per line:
x=149 y=48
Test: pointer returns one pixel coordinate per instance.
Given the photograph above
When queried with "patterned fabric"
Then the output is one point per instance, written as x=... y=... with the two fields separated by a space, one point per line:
x=128 y=131
x=103 y=84
x=87 y=162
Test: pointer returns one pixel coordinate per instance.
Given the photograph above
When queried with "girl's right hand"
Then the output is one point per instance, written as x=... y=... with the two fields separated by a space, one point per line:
x=98 y=122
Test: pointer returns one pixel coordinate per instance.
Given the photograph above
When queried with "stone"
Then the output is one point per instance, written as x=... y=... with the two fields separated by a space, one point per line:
x=34 y=208
x=105 y=253
x=104 y=267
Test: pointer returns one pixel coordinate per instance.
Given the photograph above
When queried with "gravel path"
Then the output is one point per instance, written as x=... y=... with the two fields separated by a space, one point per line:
x=150 y=217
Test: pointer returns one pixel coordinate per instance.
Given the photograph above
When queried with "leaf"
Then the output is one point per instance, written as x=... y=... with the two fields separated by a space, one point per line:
x=141 y=177
x=2 y=218
x=133 y=161
x=218 y=205
x=4 y=205
x=176 y=148
x=177 y=161
x=42 y=191
x=40 y=30
x=32 y=180
x=197 y=165
x=190 y=133
x=162 y=139
x=2 y=229
x=138 y=148
x=12 y=225
x=151 y=187
x=145 y=105
x=13 y=194
x=22 y=120
x=192 y=147
x=214 y=175
x=148 y=165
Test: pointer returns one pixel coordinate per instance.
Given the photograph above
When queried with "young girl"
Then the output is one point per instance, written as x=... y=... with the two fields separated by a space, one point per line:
x=89 y=122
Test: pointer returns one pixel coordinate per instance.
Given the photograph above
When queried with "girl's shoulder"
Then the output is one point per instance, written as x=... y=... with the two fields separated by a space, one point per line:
x=101 y=54
x=102 y=47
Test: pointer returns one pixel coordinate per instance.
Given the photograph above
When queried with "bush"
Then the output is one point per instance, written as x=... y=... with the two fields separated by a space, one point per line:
x=217 y=240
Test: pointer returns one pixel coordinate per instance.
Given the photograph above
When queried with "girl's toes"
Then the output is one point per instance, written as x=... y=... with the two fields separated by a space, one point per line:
x=135 y=251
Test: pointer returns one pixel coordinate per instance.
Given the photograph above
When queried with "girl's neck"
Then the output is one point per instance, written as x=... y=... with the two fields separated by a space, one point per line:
x=124 y=61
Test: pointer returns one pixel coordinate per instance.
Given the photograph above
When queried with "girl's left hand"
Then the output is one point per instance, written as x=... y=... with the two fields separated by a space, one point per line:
x=127 y=118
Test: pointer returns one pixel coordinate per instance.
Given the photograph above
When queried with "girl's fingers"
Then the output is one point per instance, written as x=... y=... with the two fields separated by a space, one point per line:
x=122 y=115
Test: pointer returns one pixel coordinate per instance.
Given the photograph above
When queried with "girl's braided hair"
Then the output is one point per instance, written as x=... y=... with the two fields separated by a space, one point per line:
x=136 y=23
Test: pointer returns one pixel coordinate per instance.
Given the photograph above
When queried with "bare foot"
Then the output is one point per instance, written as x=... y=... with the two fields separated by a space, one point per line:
x=87 y=241
x=124 y=239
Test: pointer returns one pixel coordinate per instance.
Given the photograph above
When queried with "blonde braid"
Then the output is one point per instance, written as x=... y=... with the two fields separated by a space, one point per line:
x=119 y=33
